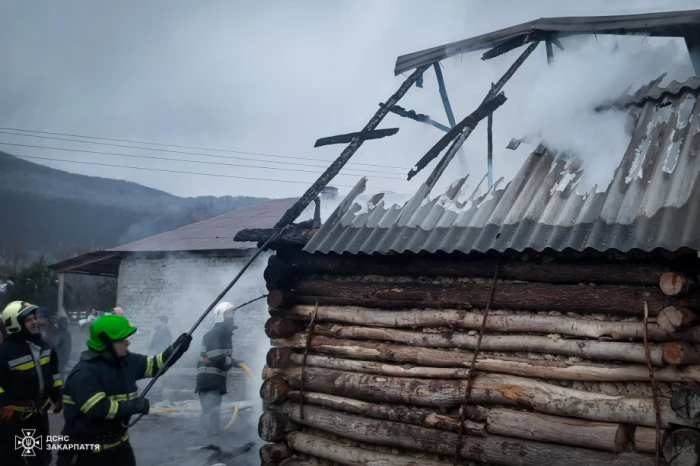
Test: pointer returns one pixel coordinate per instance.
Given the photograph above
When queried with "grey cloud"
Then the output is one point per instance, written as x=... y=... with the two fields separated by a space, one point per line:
x=274 y=76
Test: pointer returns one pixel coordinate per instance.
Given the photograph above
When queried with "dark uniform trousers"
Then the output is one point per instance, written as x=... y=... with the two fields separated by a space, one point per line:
x=21 y=374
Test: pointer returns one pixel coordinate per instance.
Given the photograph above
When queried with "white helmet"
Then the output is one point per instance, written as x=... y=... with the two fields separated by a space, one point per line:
x=14 y=314
x=223 y=310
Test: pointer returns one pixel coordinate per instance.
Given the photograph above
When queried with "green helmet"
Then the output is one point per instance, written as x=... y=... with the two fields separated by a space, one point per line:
x=108 y=328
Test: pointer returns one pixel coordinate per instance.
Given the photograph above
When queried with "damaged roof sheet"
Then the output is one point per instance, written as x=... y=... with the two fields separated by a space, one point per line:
x=666 y=24
x=652 y=201
x=215 y=233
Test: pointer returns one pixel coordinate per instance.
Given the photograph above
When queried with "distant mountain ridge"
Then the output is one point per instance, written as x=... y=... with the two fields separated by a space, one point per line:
x=46 y=209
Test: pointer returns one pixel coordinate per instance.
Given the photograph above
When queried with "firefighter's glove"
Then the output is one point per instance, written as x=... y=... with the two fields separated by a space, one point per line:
x=6 y=412
x=138 y=405
x=182 y=344
x=58 y=407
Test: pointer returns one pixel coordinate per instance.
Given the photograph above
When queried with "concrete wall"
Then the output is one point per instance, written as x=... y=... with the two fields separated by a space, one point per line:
x=182 y=287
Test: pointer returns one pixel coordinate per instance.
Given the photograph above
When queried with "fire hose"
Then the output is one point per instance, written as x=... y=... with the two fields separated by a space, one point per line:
x=205 y=313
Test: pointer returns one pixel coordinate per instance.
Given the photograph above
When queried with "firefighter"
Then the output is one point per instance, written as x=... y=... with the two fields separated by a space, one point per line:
x=29 y=382
x=100 y=394
x=216 y=360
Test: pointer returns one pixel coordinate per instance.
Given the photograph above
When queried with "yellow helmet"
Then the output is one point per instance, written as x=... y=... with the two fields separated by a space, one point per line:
x=14 y=314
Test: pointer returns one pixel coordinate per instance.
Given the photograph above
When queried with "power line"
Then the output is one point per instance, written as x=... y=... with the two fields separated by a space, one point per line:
x=172 y=171
x=177 y=160
x=191 y=147
x=187 y=153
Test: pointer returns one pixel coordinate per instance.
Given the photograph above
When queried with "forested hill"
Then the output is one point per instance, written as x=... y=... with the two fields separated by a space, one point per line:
x=45 y=210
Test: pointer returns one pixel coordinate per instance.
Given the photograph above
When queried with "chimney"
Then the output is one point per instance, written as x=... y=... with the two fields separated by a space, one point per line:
x=329 y=193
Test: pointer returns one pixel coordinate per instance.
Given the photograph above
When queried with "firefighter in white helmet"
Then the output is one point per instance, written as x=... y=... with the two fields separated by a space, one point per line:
x=30 y=381
x=212 y=368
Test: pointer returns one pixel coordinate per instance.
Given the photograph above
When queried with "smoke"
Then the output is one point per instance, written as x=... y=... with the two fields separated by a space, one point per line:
x=560 y=101
x=182 y=286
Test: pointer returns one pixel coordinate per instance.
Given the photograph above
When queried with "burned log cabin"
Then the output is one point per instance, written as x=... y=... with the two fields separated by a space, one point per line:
x=527 y=325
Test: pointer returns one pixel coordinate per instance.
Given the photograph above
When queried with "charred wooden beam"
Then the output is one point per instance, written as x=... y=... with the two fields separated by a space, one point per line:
x=274 y=390
x=293 y=212
x=492 y=449
x=279 y=298
x=692 y=41
x=682 y=447
x=432 y=357
x=448 y=109
x=525 y=296
x=489 y=147
x=511 y=44
x=457 y=130
x=419 y=117
x=685 y=400
x=364 y=136
x=573 y=272
x=290 y=236
x=486 y=388
x=465 y=127
x=273 y=453
x=273 y=426
x=278 y=327
x=550 y=51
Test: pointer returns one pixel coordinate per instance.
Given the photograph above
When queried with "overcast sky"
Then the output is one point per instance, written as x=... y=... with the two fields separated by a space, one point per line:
x=272 y=77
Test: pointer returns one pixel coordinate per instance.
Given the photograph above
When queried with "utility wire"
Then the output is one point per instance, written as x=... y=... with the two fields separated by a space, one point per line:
x=188 y=153
x=189 y=147
x=172 y=171
x=179 y=160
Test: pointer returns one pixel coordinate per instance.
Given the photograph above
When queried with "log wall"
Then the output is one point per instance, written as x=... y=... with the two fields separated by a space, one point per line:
x=372 y=360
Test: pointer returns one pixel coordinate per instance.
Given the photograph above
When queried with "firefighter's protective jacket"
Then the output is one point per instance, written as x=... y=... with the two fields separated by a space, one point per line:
x=216 y=359
x=99 y=393
x=28 y=373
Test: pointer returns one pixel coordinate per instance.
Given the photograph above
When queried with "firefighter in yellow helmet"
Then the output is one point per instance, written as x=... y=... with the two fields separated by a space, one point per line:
x=30 y=381
x=101 y=395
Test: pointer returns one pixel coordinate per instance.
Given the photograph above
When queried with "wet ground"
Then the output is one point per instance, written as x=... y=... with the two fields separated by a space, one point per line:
x=175 y=438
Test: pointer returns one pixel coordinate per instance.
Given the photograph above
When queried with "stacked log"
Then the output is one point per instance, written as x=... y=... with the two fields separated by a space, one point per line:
x=371 y=362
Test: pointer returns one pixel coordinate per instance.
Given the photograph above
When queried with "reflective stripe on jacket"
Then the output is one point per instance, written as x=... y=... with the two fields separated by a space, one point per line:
x=94 y=392
x=216 y=358
x=23 y=382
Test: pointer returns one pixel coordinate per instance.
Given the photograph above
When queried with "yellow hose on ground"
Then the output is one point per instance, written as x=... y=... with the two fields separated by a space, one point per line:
x=233 y=417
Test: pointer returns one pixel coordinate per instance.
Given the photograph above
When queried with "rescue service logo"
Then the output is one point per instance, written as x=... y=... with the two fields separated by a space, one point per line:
x=28 y=443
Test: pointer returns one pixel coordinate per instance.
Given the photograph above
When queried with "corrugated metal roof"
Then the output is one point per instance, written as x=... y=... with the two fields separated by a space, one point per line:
x=215 y=233
x=668 y=24
x=651 y=203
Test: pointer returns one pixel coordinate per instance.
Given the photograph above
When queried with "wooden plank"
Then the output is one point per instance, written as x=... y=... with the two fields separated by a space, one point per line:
x=347 y=138
x=293 y=212
x=457 y=130
x=491 y=449
x=419 y=117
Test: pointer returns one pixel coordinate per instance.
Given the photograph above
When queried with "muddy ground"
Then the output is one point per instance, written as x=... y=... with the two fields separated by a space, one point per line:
x=171 y=439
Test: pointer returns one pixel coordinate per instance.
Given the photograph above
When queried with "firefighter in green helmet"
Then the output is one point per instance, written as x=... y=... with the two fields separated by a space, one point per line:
x=100 y=394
